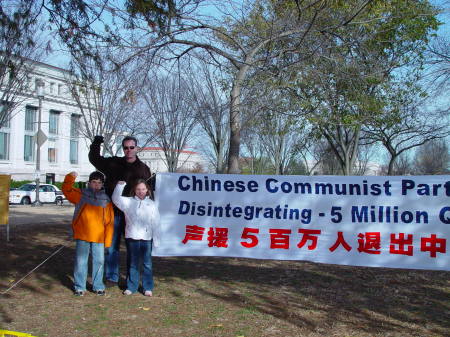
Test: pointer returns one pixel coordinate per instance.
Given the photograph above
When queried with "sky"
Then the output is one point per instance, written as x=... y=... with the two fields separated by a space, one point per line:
x=444 y=30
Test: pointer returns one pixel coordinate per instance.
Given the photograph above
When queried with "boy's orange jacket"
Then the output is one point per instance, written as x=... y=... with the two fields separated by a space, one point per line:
x=91 y=222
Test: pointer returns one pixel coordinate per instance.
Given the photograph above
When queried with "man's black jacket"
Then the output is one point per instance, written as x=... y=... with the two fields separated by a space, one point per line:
x=117 y=168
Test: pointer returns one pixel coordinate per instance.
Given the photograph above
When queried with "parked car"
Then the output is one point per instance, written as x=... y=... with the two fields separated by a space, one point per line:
x=26 y=194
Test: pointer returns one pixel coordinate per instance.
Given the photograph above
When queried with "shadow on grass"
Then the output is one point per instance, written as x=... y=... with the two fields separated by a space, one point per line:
x=307 y=295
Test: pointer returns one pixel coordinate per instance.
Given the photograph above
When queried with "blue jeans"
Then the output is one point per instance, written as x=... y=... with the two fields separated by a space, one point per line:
x=80 y=271
x=139 y=253
x=112 y=259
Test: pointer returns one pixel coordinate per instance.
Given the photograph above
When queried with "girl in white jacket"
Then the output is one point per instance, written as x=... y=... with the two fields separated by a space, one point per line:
x=142 y=230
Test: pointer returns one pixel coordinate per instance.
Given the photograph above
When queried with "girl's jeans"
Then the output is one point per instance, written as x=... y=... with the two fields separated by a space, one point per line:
x=139 y=253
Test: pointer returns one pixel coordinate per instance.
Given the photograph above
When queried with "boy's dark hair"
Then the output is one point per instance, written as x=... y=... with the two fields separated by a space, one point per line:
x=129 y=138
x=96 y=175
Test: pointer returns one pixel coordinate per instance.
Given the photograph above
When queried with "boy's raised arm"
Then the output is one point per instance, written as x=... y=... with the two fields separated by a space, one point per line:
x=71 y=193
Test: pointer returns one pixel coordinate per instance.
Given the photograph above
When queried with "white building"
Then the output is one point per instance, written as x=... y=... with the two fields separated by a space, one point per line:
x=65 y=149
x=365 y=168
x=188 y=161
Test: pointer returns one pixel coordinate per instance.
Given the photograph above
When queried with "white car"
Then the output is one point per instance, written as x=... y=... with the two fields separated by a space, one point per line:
x=26 y=194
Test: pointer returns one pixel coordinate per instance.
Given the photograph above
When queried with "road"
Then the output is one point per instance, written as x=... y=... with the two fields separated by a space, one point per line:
x=47 y=214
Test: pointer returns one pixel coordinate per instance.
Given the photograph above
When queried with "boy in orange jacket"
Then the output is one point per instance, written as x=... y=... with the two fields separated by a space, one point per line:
x=93 y=226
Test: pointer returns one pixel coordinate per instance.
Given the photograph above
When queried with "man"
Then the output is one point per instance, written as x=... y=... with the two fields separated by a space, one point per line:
x=127 y=168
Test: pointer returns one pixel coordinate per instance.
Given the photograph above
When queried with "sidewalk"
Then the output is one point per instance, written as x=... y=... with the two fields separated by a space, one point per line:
x=47 y=214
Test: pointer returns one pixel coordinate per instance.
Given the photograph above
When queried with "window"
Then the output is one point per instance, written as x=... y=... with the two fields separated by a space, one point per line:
x=30 y=128
x=51 y=155
x=48 y=188
x=4 y=146
x=74 y=125
x=74 y=132
x=53 y=122
x=52 y=87
x=37 y=83
x=30 y=118
x=60 y=89
x=28 y=151
x=73 y=151
x=7 y=121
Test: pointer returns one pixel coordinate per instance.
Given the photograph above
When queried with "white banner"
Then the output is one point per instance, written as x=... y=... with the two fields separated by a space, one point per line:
x=398 y=222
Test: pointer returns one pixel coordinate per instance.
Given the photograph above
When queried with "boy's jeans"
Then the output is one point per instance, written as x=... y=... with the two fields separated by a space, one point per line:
x=81 y=265
x=112 y=259
x=139 y=252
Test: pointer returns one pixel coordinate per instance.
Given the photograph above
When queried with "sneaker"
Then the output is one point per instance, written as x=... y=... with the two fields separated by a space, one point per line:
x=100 y=292
x=78 y=293
x=127 y=292
x=148 y=293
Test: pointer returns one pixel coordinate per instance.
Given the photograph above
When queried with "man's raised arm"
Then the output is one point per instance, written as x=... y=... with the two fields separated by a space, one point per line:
x=95 y=158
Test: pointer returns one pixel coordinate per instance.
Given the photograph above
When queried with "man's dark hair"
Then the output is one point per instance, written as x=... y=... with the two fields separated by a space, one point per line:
x=129 y=138
x=96 y=175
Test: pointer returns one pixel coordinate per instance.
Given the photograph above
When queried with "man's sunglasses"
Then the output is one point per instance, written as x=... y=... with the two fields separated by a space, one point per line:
x=129 y=147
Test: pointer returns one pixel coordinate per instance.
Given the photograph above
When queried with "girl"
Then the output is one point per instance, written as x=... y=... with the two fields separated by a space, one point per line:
x=141 y=232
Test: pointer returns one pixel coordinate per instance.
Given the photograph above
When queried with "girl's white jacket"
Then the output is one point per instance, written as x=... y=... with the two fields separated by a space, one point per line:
x=141 y=216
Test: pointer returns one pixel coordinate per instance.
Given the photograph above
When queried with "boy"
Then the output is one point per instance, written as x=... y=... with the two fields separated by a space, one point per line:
x=93 y=226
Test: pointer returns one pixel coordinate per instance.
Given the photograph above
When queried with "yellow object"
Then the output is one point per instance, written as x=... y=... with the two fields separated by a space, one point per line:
x=7 y=333
x=5 y=181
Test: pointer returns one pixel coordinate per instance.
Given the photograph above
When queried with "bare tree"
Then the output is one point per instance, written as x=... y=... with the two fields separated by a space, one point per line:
x=244 y=35
x=402 y=166
x=19 y=49
x=433 y=158
x=364 y=160
x=211 y=105
x=170 y=117
x=325 y=159
x=280 y=135
x=438 y=54
x=439 y=59
x=254 y=159
x=106 y=98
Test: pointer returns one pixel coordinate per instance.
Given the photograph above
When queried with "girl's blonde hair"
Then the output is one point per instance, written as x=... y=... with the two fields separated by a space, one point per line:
x=141 y=181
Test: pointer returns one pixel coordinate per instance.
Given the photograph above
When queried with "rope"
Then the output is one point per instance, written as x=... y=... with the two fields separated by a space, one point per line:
x=48 y=258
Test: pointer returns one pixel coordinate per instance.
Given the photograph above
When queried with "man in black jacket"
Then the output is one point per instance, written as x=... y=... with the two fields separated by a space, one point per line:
x=127 y=168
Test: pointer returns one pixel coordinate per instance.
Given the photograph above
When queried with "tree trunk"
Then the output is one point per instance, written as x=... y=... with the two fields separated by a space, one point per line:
x=391 y=166
x=235 y=123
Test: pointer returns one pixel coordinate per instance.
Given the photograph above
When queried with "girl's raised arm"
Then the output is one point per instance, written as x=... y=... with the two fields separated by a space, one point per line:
x=121 y=202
